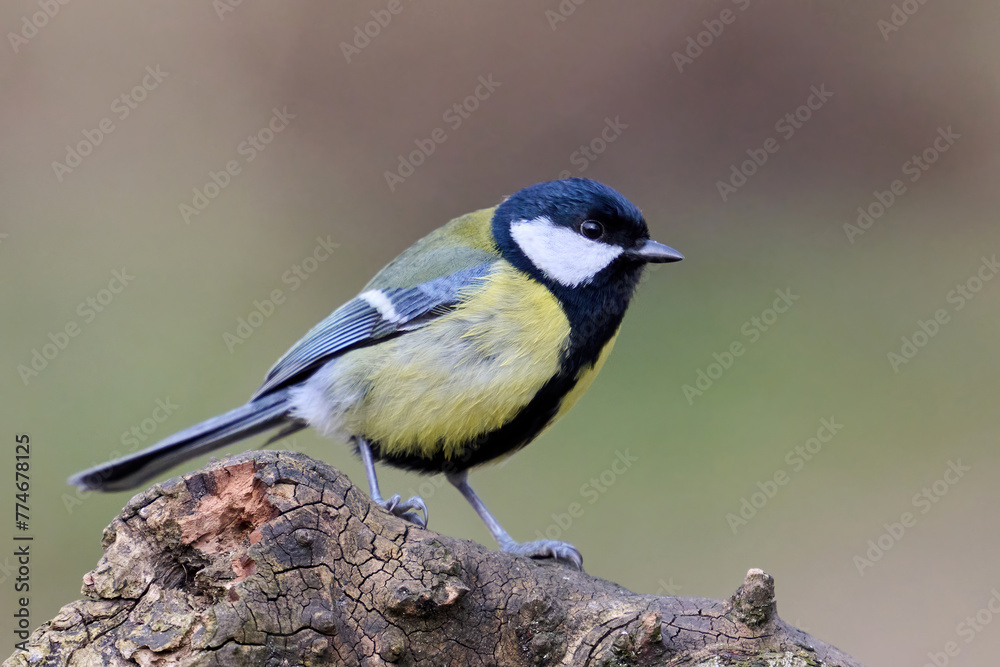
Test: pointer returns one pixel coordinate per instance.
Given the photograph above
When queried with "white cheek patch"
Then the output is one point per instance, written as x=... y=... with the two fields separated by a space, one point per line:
x=561 y=253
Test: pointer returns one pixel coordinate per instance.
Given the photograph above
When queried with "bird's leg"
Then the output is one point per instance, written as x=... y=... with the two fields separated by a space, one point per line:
x=394 y=505
x=537 y=549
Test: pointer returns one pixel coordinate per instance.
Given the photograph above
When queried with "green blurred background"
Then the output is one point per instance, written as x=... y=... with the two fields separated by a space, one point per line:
x=662 y=525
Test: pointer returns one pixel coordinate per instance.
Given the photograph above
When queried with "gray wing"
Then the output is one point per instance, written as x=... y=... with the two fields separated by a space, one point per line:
x=368 y=317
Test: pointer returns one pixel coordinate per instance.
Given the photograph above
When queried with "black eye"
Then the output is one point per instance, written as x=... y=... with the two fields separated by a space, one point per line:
x=592 y=229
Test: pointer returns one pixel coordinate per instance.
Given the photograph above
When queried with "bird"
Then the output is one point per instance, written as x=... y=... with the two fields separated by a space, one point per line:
x=460 y=351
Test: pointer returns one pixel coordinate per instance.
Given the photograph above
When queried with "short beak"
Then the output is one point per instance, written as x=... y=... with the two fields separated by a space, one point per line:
x=651 y=251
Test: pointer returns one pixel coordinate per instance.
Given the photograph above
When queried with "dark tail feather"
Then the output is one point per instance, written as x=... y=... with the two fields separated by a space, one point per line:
x=130 y=471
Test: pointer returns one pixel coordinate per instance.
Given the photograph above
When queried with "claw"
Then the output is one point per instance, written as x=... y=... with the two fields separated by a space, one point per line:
x=415 y=518
x=407 y=510
x=562 y=551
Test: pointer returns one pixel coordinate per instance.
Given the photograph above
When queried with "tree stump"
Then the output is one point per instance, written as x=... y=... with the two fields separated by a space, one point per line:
x=273 y=558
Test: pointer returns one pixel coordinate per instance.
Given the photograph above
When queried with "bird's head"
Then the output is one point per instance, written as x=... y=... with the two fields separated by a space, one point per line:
x=576 y=233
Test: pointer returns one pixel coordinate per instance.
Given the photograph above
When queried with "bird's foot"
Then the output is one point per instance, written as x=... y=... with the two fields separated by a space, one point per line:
x=405 y=509
x=562 y=551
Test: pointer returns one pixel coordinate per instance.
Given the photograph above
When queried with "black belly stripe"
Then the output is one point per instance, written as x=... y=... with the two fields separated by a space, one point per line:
x=515 y=434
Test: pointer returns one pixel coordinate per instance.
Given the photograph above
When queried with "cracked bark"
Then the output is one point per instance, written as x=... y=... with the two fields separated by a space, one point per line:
x=273 y=558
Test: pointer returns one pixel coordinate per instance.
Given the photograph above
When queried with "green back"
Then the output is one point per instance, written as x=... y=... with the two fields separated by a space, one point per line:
x=464 y=242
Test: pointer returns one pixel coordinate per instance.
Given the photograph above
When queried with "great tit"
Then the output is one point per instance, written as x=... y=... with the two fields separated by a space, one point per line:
x=461 y=350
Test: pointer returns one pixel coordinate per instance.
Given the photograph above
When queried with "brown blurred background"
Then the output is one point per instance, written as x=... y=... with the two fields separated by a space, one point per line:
x=665 y=524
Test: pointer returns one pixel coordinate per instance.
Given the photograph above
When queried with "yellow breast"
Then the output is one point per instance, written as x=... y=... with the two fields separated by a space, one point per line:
x=463 y=375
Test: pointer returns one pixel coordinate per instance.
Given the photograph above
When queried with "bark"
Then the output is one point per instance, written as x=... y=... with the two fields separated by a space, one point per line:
x=273 y=558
